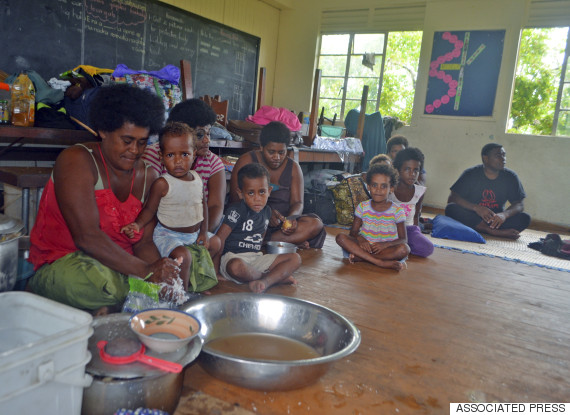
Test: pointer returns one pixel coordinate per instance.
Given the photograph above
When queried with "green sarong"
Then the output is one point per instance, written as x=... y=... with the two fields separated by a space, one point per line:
x=81 y=282
x=202 y=272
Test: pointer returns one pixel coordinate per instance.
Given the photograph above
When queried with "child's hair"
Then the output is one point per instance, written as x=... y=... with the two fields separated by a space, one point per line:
x=174 y=129
x=194 y=112
x=117 y=104
x=379 y=159
x=384 y=169
x=410 y=153
x=488 y=147
x=275 y=132
x=397 y=140
x=252 y=171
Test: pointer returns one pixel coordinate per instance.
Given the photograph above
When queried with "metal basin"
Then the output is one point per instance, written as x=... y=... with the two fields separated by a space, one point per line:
x=276 y=247
x=330 y=334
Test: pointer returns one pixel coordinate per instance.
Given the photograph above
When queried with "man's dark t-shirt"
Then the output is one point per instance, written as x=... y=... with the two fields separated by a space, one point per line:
x=248 y=228
x=477 y=188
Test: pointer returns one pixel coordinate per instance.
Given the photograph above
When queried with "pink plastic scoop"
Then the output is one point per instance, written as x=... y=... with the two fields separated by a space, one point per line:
x=123 y=351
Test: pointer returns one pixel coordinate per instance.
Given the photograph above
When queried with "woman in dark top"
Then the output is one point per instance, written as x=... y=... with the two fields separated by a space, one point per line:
x=287 y=223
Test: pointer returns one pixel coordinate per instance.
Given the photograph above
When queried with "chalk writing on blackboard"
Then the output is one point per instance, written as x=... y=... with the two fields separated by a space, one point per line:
x=141 y=34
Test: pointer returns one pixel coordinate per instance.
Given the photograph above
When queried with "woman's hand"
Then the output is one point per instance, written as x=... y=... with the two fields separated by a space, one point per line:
x=289 y=226
x=165 y=270
x=276 y=219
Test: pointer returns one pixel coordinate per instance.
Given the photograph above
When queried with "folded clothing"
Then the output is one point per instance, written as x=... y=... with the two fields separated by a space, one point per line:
x=552 y=245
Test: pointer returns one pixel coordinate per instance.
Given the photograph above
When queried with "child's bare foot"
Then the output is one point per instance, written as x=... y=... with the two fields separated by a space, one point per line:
x=396 y=265
x=353 y=259
x=289 y=280
x=257 y=286
x=303 y=245
x=105 y=310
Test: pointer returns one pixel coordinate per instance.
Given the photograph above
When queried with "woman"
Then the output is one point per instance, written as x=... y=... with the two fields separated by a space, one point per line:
x=287 y=223
x=80 y=256
x=200 y=117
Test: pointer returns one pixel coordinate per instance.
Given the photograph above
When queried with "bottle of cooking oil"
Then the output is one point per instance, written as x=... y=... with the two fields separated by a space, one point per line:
x=23 y=101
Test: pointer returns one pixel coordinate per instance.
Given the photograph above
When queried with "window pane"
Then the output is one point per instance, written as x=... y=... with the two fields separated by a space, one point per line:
x=400 y=74
x=331 y=87
x=563 y=127
x=355 y=86
x=334 y=44
x=565 y=100
x=358 y=69
x=333 y=65
x=332 y=107
x=349 y=105
x=537 y=81
x=369 y=43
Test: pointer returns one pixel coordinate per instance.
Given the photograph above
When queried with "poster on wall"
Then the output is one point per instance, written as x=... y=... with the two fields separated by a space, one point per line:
x=464 y=71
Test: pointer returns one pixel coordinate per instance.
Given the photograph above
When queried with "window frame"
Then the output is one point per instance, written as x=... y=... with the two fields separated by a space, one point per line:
x=350 y=54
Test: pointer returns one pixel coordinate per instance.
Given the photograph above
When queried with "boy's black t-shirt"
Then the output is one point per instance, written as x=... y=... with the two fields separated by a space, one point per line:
x=248 y=228
x=477 y=188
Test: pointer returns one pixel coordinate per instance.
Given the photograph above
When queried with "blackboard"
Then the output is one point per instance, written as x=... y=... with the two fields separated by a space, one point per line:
x=55 y=36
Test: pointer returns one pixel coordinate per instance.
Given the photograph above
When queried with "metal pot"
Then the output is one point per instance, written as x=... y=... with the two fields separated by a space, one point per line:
x=9 y=234
x=133 y=385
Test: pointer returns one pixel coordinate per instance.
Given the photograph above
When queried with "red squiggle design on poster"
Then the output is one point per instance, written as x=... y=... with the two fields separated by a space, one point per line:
x=435 y=72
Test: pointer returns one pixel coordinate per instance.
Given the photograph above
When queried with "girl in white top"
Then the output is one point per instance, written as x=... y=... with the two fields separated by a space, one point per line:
x=177 y=200
x=410 y=195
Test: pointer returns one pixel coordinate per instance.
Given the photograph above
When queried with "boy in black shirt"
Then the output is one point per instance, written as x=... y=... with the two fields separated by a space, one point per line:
x=479 y=196
x=241 y=234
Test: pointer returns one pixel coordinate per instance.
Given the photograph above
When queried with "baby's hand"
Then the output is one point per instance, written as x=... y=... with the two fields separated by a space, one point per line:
x=130 y=229
x=203 y=239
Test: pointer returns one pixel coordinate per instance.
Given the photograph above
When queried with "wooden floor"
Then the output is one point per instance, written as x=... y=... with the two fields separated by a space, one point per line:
x=451 y=328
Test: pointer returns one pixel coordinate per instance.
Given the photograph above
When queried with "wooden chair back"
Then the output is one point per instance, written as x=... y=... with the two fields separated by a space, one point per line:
x=219 y=107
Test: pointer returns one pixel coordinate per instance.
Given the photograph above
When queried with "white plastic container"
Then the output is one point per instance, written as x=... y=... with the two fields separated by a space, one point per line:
x=43 y=354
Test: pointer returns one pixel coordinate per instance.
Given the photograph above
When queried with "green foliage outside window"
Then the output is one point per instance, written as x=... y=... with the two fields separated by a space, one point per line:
x=537 y=81
x=398 y=80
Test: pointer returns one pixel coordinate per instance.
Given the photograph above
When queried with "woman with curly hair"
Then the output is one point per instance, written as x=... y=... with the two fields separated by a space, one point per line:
x=79 y=254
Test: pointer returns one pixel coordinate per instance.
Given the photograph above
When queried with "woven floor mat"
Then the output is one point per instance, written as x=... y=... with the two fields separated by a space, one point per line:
x=516 y=251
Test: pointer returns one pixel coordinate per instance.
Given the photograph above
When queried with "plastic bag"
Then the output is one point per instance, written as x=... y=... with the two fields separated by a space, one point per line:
x=144 y=295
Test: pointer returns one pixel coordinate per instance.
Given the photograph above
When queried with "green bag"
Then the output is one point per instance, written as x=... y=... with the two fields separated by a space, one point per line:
x=348 y=194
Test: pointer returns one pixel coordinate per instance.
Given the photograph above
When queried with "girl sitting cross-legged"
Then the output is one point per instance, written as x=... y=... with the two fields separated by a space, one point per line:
x=410 y=195
x=378 y=233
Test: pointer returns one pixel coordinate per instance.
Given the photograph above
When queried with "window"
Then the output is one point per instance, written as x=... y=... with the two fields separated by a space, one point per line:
x=386 y=62
x=541 y=96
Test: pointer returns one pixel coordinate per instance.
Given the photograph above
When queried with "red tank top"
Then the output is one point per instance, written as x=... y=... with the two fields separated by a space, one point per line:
x=50 y=238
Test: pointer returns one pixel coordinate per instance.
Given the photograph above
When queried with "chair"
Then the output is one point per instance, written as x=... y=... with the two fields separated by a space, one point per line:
x=219 y=107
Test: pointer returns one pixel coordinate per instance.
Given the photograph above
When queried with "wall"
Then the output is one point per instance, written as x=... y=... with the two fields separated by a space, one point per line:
x=289 y=37
x=250 y=16
x=450 y=144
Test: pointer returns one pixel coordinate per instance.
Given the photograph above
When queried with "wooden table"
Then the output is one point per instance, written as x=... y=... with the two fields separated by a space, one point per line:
x=32 y=143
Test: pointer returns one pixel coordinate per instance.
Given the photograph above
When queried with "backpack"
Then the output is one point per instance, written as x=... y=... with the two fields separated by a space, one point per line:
x=348 y=194
x=321 y=204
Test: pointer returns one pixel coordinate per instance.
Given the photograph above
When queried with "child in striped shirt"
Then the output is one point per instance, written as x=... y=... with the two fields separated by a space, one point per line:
x=378 y=233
